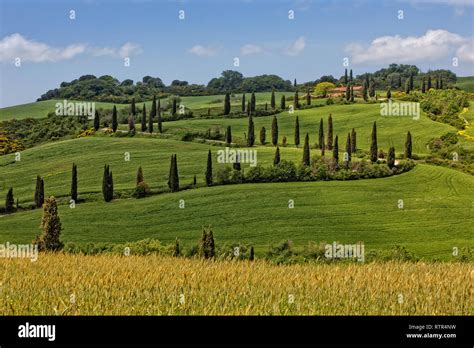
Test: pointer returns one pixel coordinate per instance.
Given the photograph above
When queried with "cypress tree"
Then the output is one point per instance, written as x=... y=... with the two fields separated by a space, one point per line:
x=250 y=133
x=306 y=160
x=297 y=101
x=160 y=120
x=308 y=97
x=364 y=92
x=372 y=89
x=408 y=146
x=140 y=177
x=348 y=148
x=335 y=152
x=399 y=81
x=297 y=132
x=353 y=141
x=411 y=82
x=51 y=226
x=248 y=108
x=143 y=118
x=133 y=110
x=131 y=124
x=282 y=103
x=207 y=245
x=350 y=76
x=194 y=181
x=107 y=184
x=294 y=83
x=243 y=102
x=274 y=131
x=176 y=248
x=39 y=192
x=389 y=94
x=96 y=120
x=348 y=93
x=373 y=146
x=345 y=77
x=227 y=104
x=228 y=136
x=114 y=119
x=175 y=106
x=9 y=201
x=252 y=103
x=428 y=87
x=367 y=81
x=276 y=159
x=209 y=169
x=330 y=137
x=263 y=136
x=252 y=254
x=152 y=114
x=321 y=134
x=407 y=86
x=74 y=183
x=272 y=101
x=173 y=181
x=423 y=86
x=391 y=157
x=266 y=106
x=352 y=94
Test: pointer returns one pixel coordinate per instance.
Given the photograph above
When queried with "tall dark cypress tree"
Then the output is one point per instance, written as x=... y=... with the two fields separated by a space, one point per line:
x=175 y=106
x=272 y=101
x=352 y=94
x=411 y=82
x=296 y=100
x=335 y=152
x=152 y=115
x=228 y=136
x=74 y=183
x=353 y=141
x=348 y=92
x=248 y=108
x=274 y=131
x=114 y=119
x=209 y=169
x=39 y=192
x=345 y=77
x=407 y=86
x=297 y=132
x=373 y=146
x=408 y=146
x=428 y=87
x=391 y=157
x=294 y=83
x=350 y=76
x=306 y=158
x=282 y=103
x=330 y=136
x=251 y=132
x=252 y=103
x=133 y=110
x=160 y=120
x=423 y=86
x=263 y=136
x=348 y=147
x=308 y=97
x=276 y=159
x=243 y=102
x=96 y=120
x=321 y=134
x=173 y=181
x=107 y=184
x=227 y=104
x=9 y=201
x=143 y=123
x=389 y=94
x=399 y=84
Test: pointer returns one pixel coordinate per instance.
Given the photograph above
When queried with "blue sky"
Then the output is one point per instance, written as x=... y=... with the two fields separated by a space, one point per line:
x=54 y=48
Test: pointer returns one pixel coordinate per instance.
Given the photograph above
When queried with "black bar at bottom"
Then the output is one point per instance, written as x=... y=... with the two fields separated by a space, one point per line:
x=136 y=331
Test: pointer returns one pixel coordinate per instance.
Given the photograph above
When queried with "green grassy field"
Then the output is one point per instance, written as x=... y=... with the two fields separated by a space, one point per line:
x=466 y=83
x=391 y=130
x=42 y=108
x=435 y=217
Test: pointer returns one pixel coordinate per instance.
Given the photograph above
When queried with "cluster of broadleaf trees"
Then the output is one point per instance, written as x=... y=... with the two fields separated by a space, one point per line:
x=109 y=89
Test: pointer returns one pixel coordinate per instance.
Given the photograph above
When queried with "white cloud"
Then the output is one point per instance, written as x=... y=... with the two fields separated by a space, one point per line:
x=17 y=46
x=250 y=49
x=432 y=46
x=203 y=51
x=296 y=47
x=466 y=52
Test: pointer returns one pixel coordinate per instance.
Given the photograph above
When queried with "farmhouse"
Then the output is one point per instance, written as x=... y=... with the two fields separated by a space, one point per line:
x=341 y=91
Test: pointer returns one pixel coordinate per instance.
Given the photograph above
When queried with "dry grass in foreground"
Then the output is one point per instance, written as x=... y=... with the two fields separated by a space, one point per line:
x=64 y=284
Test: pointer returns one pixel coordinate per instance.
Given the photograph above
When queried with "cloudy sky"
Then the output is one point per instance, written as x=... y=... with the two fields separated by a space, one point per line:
x=45 y=43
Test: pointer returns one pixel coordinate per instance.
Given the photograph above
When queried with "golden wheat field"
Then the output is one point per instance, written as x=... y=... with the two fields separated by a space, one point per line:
x=62 y=284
